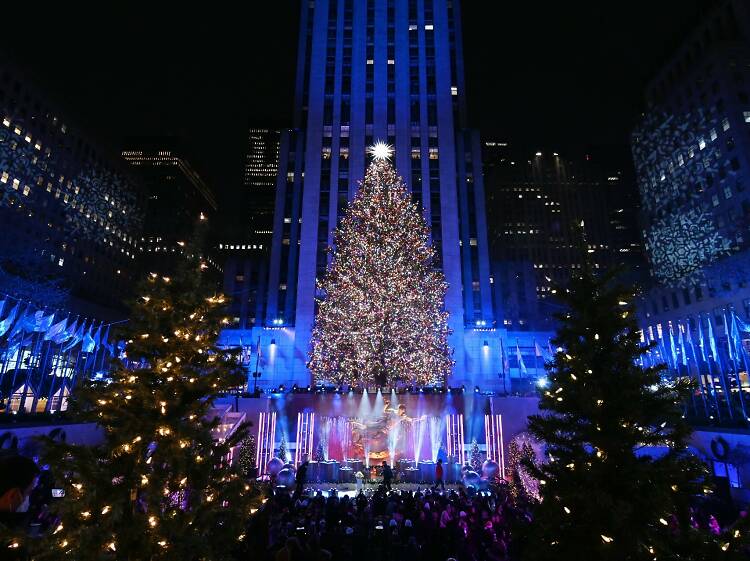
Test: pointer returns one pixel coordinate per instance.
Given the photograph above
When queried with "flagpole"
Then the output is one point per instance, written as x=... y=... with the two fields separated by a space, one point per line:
x=730 y=343
x=713 y=388
x=698 y=376
x=717 y=359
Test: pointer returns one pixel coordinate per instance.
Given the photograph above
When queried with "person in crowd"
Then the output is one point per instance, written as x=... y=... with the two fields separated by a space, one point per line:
x=387 y=476
x=439 y=475
x=18 y=477
x=301 y=477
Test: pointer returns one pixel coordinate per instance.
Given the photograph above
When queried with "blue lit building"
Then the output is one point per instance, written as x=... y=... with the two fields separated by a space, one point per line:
x=64 y=203
x=370 y=70
x=692 y=159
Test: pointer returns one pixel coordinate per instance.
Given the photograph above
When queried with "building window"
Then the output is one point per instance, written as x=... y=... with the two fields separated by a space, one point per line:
x=725 y=124
x=724 y=469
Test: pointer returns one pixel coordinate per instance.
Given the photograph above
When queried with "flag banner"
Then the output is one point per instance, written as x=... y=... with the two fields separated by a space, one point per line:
x=8 y=321
x=55 y=330
x=672 y=348
x=537 y=349
x=521 y=364
x=89 y=344
x=712 y=340
x=701 y=342
x=729 y=337
x=681 y=340
x=66 y=333
x=76 y=338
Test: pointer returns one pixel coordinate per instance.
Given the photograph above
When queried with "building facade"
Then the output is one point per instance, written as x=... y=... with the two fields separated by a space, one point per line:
x=389 y=70
x=534 y=203
x=692 y=157
x=177 y=198
x=259 y=183
x=67 y=208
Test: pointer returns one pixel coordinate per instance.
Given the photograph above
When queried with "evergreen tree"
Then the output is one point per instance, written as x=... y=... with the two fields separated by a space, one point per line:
x=159 y=486
x=282 y=449
x=475 y=457
x=600 y=498
x=382 y=318
x=319 y=455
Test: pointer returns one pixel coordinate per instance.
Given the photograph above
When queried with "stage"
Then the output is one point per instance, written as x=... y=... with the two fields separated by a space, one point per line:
x=344 y=433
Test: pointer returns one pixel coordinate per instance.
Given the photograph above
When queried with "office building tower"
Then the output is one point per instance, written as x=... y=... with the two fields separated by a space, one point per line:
x=535 y=202
x=68 y=209
x=389 y=70
x=259 y=183
x=176 y=200
x=692 y=157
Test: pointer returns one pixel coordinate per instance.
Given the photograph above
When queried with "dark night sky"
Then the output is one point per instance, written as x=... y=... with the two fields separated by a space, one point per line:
x=567 y=76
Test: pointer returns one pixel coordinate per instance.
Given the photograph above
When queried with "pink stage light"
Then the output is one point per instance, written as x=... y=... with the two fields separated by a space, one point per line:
x=266 y=440
x=493 y=434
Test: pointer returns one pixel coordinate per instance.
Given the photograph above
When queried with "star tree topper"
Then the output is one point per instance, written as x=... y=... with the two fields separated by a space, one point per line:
x=380 y=150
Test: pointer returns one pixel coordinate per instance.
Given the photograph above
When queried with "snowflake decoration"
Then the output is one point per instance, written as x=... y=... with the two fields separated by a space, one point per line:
x=681 y=245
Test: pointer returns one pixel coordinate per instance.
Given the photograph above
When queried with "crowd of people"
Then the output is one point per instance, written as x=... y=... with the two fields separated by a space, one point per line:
x=386 y=525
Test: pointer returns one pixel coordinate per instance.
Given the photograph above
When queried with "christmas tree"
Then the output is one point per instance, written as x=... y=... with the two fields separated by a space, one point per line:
x=160 y=485
x=247 y=458
x=282 y=449
x=319 y=454
x=601 y=499
x=382 y=317
x=475 y=458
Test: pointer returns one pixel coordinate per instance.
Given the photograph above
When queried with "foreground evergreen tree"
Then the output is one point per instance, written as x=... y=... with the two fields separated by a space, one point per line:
x=158 y=487
x=600 y=498
x=382 y=318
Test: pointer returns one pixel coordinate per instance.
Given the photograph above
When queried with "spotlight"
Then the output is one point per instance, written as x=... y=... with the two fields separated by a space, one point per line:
x=294 y=388
x=542 y=382
x=463 y=388
x=308 y=388
x=476 y=389
x=281 y=388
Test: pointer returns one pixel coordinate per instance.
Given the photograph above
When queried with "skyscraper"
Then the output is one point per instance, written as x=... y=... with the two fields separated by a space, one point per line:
x=177 y=196
x=69 y=209
x=259 y=181
x=692 y=157
x=534 y=200
x=389 y=70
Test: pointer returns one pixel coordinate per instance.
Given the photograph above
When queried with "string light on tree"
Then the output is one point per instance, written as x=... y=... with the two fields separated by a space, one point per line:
x=381 y=318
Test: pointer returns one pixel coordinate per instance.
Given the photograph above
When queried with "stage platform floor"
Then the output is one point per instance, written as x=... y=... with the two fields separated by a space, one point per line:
x=350 y=489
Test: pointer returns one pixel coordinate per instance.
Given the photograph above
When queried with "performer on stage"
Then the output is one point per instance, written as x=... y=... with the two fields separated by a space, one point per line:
x=387 y=475
x=300 y=479
x=439 y=475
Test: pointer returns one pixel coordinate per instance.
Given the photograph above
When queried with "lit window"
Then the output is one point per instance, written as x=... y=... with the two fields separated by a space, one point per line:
x=15 y=184
x=412 y=28
x=473 y=241
x=713 y=134
x=746 y=115
x=454 y=90
x=6 y=122
x=701 y=143
x=725 y=123
x=391 y=61
x=60 y=261
x=282 y=286
x=26 y=190
x=370 y=61
x=290 y=176
x=287 y=220
x=429 y=27
x=28 y=138
x=4 y=177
